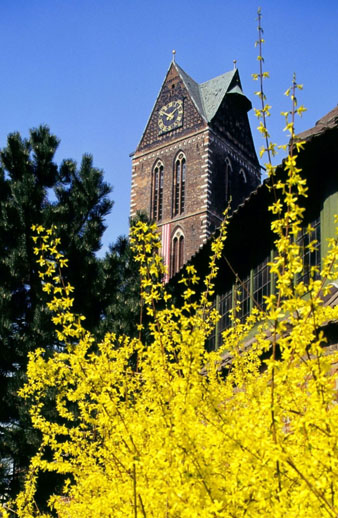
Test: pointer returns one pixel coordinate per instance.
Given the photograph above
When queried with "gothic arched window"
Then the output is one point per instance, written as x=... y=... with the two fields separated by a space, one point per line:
x=179 y=184
x=157 y=191
x=177 y=257
x=242 y=176
x=228 y=169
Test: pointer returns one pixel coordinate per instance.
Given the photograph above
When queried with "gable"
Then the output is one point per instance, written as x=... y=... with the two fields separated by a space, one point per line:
x=173 y=90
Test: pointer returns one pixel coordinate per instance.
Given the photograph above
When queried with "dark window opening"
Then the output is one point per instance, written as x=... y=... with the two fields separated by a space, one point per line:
x=180 y=252
x=157 y=193
x=261 y=283
x=179 y=185
x=177 y=253
x=174 y=255
x=243 y=297
x=310 y=254
x=210 y=343
x=227 y=193
x=243 y=176
x=225 y=307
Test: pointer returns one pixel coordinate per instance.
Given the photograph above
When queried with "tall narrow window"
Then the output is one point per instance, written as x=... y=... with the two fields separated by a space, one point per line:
x=261 y=283
x=228 y=168
x=179 y=184
x=174 y=256
x=243 y=297
x=180 y=251
x=242 y=176
x=177 y=188
x=157 y=192
x=309 y=242
x=177 y=256
x=210 y=343
x=225 y=307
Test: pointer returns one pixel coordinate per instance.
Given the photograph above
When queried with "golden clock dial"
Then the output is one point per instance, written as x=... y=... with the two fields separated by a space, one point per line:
x=170 y=116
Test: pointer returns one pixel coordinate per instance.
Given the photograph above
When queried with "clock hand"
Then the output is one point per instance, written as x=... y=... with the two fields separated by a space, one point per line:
x=165 y=113
x=171 y=114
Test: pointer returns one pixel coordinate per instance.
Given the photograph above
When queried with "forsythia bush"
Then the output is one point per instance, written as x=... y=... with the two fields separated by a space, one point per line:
x=159 y=430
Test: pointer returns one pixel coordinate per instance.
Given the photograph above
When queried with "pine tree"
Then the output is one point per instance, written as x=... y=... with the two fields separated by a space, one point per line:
x=79 y=204
x=121 y=295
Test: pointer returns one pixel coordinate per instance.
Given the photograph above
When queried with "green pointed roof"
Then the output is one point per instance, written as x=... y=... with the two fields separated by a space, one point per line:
x=208 y=96
x=193 y=89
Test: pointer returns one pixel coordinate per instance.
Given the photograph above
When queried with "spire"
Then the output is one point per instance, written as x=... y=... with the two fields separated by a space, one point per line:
x=235 y=64
x=174 y=52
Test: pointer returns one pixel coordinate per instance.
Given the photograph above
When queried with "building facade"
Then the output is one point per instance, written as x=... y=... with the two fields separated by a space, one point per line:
x=244 y=275
x=195 y=157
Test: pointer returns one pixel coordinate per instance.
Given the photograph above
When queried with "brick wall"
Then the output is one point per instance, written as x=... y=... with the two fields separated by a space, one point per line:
x=193 y=221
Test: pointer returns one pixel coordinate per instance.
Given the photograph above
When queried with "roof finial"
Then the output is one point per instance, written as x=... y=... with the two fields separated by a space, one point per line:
x=174 y=52
x=235 y=63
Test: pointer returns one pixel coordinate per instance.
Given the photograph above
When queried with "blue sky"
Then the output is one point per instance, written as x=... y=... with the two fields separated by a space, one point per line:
x=91 y=69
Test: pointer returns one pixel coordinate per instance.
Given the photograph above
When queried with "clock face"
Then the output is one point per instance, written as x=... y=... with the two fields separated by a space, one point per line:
x=170 y=116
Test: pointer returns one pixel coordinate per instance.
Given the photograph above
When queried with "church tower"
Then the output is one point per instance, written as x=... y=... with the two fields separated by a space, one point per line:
x=195 y=155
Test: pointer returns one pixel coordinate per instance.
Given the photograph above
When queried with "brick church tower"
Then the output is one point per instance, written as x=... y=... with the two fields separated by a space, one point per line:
x=195 y=154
